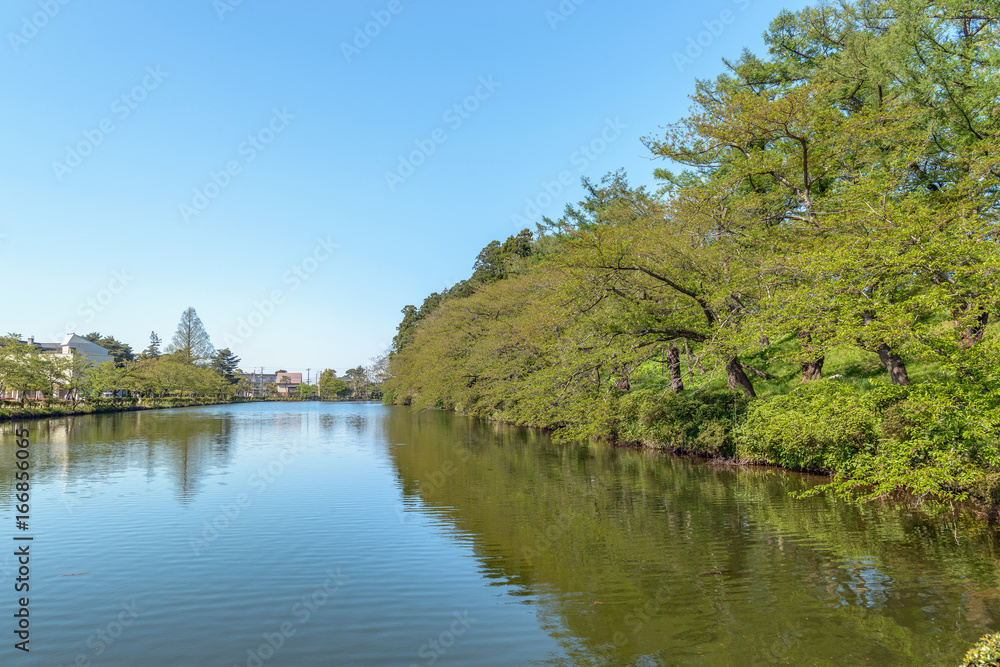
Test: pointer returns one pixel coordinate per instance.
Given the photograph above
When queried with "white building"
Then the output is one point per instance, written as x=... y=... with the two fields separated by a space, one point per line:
x=70 y=345
x=75 y=344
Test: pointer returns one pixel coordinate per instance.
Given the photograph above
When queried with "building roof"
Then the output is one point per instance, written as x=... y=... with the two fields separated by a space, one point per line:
x=82 y=345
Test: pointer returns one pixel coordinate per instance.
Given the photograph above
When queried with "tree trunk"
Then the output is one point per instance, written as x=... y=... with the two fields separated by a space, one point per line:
x=674 y=366
x=738 y=379
x=756 y=371
x=813 y=370
x=974 y=333
x=894 y=364
x=623 y=383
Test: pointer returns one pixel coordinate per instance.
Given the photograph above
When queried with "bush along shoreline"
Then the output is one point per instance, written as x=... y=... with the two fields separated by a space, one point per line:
x=934 y=440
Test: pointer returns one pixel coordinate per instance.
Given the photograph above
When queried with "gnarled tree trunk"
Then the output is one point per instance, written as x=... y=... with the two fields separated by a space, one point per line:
x=813 y=370
x=973 y=334
x=737 y=378
x=894 y=364
x=674 y=367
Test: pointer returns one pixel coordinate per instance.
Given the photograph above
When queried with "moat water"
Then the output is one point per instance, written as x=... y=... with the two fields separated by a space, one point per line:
x=357 y=534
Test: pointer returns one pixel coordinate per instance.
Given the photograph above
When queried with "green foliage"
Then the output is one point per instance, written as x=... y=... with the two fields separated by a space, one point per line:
x=121 y=352
x=820 y=426
x=986 y=653
x=153 y=350
x=330 y=386
x=939 y=440
x=700 y=423
x=191 y=343
x=493 y=262
x=839 y=198
x=226 y=364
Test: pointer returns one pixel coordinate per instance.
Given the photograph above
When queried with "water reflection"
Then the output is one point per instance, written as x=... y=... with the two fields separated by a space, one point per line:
x=644 y=559
x=87 y=449
x=566 y=555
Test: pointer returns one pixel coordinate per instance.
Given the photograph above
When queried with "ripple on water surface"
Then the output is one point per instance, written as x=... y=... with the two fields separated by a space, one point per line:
x=381 y=536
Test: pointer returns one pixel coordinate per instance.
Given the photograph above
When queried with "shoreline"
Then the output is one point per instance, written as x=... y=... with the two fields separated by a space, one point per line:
x=56 y=412
x=16 y=413
x=974 y=508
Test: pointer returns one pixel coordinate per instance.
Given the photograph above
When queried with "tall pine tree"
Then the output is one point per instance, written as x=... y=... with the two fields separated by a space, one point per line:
x=191 y=342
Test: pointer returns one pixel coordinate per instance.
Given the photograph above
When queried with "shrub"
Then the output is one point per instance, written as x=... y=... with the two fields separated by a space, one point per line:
x=700 y=423
x=820 y=426
x=986 y=653
x=939 y=441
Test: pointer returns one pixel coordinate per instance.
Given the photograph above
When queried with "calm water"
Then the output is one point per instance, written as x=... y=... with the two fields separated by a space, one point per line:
x=355 y=534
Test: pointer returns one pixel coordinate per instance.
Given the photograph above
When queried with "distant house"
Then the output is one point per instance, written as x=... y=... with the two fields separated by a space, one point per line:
x=288 y=383
x=257 y=383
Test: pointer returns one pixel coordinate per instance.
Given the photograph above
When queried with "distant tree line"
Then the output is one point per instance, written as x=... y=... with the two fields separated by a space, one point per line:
x=189 y=367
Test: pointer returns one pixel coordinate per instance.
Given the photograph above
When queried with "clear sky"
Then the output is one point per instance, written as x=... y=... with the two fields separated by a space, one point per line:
x=300 y=171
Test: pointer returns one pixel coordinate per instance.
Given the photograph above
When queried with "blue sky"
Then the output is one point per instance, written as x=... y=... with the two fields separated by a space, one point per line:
x=300 y=171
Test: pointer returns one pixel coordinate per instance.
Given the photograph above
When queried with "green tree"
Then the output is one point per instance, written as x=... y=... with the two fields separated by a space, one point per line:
x=23 y=368
x=358 y=381
x=493 y=262
x=191 y=343
x=153 y=350
x=121 y=352
x=226 y=364
x=74 y=375
x=933 y=62
x=330 y=386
